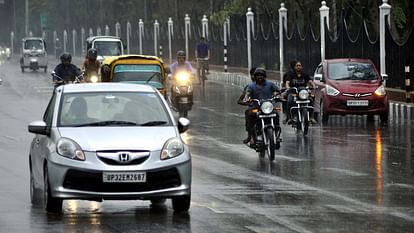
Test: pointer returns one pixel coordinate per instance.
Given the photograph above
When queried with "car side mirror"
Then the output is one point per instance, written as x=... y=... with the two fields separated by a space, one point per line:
x=384 y=77
x=183 y=124
x=318 y=77
x=38 y=127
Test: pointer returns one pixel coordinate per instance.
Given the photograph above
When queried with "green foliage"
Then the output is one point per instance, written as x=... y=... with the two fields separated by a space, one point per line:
x=399 y=17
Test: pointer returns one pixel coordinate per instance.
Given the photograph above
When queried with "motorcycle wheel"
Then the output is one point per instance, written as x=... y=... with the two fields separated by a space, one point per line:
x=305 y=122
x=270 y=144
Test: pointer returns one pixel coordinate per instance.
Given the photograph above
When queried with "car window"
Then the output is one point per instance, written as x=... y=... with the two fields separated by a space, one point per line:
x=33 y=44
x=108 y=48
x=136 y=72
x=78 y=109
x=351 y=71
x=48 y=115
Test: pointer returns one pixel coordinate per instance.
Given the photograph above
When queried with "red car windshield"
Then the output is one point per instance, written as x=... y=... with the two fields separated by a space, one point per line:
x=351 y=71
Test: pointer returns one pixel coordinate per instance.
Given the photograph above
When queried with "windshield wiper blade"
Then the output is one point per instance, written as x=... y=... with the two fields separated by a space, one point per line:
x=154 y=123
x=152 y=76
x=106 y=123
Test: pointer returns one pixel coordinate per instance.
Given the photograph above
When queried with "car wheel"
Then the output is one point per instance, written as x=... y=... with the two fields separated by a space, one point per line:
x=45 y=69
x=181 y=204
x=22 y=69
x=52 y=204
x=35 y=196
x=324 y=115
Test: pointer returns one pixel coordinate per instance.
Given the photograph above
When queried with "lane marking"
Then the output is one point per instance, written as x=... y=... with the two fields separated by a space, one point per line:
x=208 y=207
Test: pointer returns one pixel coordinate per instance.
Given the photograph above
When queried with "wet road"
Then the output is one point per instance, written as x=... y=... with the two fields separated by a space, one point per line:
x=350 y=175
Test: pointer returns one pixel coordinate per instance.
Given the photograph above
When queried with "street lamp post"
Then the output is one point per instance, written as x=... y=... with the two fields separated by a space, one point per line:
x=26 y=17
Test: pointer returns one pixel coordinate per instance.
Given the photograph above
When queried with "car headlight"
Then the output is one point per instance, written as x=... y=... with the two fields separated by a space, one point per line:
x=380 y=91
x=69 y=149
x=331 y=91
x=266 y=107
x=94 y=78
x=303 y=94
x=172 y=148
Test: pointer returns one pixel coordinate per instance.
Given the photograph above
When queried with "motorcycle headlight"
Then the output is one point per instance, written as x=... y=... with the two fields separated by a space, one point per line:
x=94 y=78
x=331 y=91
x=182 y=76
x=69 y=149
x=303 y=94
x=380 y=91
x=267 y=107
x=172 y=148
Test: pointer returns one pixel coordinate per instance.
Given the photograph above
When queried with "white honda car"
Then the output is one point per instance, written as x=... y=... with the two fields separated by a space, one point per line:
x=112 y=141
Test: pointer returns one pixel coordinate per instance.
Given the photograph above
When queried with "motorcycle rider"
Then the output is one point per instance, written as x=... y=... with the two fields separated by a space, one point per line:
x=240 y=101
x=181 y=64
x=284 y=94
x=297 y=79
x=66 y=70
x=91 y=65
x=260 y=89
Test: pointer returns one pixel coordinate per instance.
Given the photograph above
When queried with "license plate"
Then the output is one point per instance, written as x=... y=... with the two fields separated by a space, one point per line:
x=124 y=177
x=183 y=99
x=357 y=103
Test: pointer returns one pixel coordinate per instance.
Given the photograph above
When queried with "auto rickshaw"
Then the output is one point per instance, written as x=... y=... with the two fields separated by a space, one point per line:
x=139 y=69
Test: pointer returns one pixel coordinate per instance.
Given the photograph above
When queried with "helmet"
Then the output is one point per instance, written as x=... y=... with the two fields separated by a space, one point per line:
x=66 y=57
x=92 y=53
x=180 y=54
x=260 y=72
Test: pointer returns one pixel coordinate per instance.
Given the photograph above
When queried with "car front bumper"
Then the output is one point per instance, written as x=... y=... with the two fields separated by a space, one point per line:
x=338 y=105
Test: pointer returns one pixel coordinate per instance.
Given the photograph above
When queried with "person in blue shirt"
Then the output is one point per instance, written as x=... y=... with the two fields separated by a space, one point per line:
x=202 y=54
x=260 y=89
x=240 y=101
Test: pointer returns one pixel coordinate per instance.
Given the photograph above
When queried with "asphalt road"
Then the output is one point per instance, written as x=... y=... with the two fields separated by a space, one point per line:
x=351 y=175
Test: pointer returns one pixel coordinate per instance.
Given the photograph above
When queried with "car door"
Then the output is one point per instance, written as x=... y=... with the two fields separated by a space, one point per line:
x=42 y=142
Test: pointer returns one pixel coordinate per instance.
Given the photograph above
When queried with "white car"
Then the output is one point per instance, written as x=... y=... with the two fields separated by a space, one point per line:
x=109 y=141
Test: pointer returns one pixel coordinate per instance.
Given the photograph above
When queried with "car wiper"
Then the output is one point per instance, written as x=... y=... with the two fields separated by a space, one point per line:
x=152 y=76
x=154 y=123
x=106 y=123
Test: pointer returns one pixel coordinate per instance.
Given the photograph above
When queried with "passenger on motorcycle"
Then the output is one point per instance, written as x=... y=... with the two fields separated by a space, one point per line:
x=241 y=102
x=260 y=89
x=91 y=66
x=297 y=79
x=66 y=71
x=179 y=66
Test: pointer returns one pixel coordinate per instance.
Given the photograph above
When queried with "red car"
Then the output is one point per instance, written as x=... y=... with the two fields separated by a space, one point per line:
x=350 y=86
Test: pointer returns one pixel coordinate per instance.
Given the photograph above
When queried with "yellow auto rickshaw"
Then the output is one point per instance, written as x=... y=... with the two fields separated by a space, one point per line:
x=139 y=69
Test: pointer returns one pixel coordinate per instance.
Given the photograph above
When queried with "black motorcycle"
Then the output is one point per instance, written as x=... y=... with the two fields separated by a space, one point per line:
x=267 y=127
x=57 y=80
x=181 y=97
x=302 y=109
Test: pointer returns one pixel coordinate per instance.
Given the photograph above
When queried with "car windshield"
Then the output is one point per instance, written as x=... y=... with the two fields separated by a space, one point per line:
x=137 y=73
x=108 y=48
x=33 y=44
x=351 y=71
x=103 y=109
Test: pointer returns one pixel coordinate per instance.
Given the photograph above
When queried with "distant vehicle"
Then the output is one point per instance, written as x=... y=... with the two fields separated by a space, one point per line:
x=350 y=86
x=106 y=46
x=109 y=141
x=34 y=55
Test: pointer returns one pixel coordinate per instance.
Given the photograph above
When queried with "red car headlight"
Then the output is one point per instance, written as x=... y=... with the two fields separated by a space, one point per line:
x=380 y=91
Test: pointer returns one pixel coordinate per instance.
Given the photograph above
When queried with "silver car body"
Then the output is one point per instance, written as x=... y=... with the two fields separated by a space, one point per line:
x=103 y=147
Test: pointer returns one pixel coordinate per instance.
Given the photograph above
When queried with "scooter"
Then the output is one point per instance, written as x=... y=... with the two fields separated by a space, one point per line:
x=181 y=97
x=267 y=128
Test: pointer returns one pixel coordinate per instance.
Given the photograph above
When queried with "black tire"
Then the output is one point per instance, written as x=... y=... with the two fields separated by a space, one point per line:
x=35 y=194
x=324 y=115
x=271 y=147
x=305 y=122
x=22 y=69
x=181 y=204
x=384 y=117
x=45 y=69
x=52 y=204
x=262 y=152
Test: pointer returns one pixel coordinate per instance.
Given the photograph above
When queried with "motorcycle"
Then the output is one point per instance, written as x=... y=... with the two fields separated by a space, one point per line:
x=181 y=96
x=267 y=128
x=302 y=109
x=58 y=81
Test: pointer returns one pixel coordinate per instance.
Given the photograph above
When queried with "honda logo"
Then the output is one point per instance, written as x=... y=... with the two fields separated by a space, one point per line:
x=123 y=157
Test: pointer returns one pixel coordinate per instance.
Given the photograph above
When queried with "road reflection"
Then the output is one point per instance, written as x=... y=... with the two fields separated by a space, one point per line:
x=378 y=167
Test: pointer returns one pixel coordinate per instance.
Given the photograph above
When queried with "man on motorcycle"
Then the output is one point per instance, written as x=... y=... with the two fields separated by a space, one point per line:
x=66 y=71
x=297 y=79
x=91 y=66
x=260 y=89
x=179 y=66
x=240 y=101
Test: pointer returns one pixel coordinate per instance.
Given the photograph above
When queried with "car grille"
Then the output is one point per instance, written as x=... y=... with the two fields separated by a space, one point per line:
x=357 y=95
x=92 y=181
x=123 y=157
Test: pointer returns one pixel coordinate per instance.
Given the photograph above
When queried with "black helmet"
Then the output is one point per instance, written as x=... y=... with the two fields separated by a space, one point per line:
x=181 y=53
x=66 y=57
x=92 y=53
x=260 y=72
